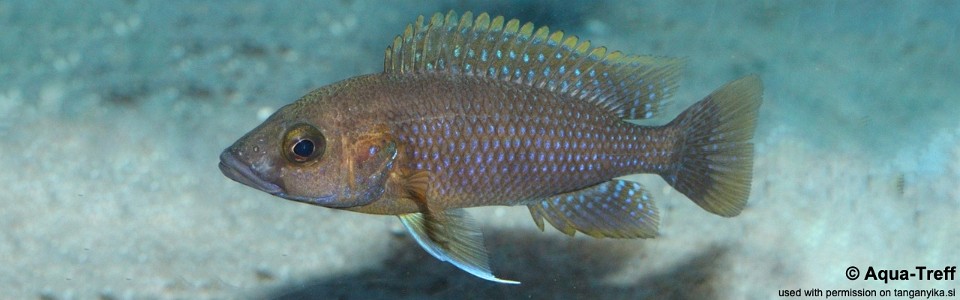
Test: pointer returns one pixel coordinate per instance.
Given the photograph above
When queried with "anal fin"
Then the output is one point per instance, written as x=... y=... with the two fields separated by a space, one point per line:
x=452 y=236
x=613 y=209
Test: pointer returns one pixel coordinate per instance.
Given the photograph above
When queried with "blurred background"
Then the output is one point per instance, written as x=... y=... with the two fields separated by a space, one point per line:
x=113 y=114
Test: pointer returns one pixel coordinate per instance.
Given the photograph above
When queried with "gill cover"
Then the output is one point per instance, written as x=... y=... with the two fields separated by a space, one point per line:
x=368 y=159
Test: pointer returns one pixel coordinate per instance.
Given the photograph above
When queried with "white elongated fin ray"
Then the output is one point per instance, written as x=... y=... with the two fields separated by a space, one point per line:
x=453 y=237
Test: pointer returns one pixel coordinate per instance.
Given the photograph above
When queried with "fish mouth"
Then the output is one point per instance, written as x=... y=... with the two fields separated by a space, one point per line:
x=234 y=169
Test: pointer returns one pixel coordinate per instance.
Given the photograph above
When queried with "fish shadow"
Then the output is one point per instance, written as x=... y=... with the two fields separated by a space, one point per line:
x=549 y=267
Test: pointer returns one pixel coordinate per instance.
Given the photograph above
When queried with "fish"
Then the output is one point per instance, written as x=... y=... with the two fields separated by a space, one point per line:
x=480 y=111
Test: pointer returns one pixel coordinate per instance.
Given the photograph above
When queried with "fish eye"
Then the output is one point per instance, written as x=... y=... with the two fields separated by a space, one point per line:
x=303 y=143
x=303 y=148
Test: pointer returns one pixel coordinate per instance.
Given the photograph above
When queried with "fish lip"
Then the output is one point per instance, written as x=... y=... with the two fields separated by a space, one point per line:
x=234 y=169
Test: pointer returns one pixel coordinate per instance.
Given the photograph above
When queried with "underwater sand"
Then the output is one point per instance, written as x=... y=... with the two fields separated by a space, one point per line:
x=113 y=114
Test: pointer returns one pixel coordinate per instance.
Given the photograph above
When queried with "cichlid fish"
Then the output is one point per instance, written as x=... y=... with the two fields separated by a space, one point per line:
x=478 y=111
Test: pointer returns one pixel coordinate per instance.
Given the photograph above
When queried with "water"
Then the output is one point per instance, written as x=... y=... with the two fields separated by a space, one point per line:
x=113 y=113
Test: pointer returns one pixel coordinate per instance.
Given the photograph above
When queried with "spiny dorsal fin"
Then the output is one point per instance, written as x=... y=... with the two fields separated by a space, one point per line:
x=634 y=87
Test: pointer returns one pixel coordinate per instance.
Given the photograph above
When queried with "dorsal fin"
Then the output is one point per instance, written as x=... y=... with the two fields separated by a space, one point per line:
x=634 y=87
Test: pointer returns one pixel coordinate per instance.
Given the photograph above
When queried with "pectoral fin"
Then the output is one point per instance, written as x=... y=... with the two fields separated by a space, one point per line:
x=452 y=236
x=614 y=209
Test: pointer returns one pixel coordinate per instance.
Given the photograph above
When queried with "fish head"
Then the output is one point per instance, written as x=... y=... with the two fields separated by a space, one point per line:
x=307 y=155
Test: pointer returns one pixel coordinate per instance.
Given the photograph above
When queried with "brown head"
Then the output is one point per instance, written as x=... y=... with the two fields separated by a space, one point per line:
x=314 y=151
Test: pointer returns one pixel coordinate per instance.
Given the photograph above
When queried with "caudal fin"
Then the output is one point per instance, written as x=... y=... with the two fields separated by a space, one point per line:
x=714 y=161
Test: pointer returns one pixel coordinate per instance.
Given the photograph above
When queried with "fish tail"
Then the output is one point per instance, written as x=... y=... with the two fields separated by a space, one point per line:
x=713 y=160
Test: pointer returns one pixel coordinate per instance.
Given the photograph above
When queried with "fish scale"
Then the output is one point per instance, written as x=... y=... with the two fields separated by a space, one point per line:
x=605 y=148
x=483 y=111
